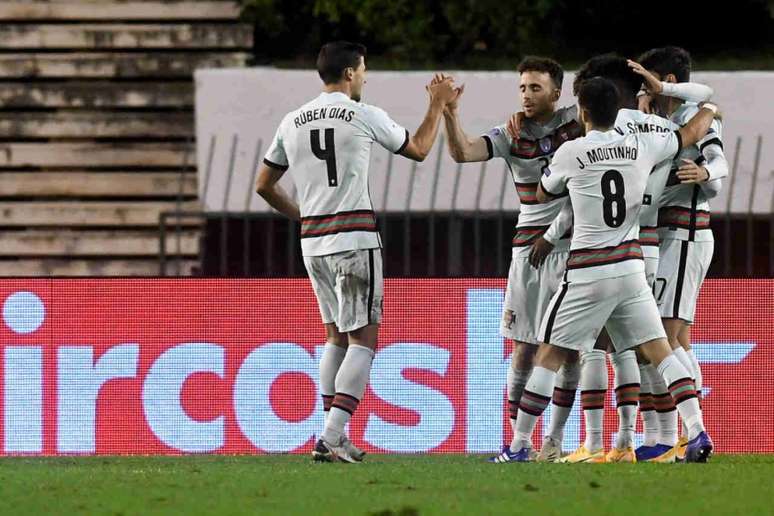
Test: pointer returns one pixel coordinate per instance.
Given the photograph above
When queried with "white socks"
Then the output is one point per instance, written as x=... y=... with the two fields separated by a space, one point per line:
x=534 y=400
x=330 y=361
x=647 y=408
x=517 y=379
x=351 y=382
x=666 y=412
x=627 y=394
x=682 y=389
x=563 y=398
x=593 y=384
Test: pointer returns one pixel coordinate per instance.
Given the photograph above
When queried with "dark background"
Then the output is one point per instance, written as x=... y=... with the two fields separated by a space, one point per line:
x=493 y=34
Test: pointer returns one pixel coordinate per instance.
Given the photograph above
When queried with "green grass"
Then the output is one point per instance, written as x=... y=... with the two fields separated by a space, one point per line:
x=405 y=485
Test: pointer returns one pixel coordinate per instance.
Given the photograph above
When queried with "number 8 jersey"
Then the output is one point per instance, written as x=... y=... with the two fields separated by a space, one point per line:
x=606 y=174
x=327 y=144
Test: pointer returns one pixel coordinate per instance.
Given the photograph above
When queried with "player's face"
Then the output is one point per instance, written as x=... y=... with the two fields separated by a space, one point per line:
x=538 y=93
x=358 y=80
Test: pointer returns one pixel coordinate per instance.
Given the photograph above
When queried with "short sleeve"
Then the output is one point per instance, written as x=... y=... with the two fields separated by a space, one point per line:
x=498 y=142
x=661 y=146
x=386 y=131
x=557 y=174
x=276 y=157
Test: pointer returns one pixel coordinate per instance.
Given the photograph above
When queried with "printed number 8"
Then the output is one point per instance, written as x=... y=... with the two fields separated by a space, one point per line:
x=613 y=178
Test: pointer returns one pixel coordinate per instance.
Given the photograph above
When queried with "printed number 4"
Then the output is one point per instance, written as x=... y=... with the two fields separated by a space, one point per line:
x=328 y=154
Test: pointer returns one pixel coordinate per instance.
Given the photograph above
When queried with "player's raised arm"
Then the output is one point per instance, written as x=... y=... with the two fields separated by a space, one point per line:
x=419 y=145
x=688 y=91
x=462 y=148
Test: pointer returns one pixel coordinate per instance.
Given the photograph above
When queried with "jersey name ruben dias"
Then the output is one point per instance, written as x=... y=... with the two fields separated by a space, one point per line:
x=527 y=158
x=326 y=143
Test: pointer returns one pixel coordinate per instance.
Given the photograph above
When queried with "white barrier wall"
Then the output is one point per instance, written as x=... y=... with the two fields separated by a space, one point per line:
x=238 y=110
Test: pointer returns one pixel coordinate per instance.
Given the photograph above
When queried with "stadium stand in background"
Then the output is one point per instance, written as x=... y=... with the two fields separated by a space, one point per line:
x=97 y=129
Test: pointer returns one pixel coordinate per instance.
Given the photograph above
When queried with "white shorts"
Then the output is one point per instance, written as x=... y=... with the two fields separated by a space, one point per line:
x=624 y=306
x=349 y=287
x=651 y=268
x=681 y=271
x=527 y=295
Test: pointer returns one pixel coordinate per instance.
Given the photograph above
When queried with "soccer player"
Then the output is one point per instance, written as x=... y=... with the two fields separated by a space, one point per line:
x=326 y=143
x=687 y=242
x=606 y=173
x=594 y=380
x=529 y=289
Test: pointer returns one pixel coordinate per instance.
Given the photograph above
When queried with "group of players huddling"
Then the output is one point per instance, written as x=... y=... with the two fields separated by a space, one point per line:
x=610 y=250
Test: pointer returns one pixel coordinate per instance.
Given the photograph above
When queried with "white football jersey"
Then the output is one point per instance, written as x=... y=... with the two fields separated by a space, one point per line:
x=326 y=143
x=527 y=158
x=685 y=211
x=606 y=174
x=632 y=121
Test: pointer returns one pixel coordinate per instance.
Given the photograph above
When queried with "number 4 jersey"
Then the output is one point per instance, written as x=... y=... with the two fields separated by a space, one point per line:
x=327 y=145
x=606 y=174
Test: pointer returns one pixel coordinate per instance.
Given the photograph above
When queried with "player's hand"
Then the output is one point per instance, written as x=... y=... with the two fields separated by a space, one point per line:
x=442 y=91
x=690 y=172
x=454 y=103
x=652 y=84
x=540 y=250
x=515 y=124
x=644 y=103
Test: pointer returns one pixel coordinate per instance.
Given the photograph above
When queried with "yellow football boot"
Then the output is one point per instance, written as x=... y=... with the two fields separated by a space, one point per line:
x=584 y=455
x=618 y=455
x=682 y=444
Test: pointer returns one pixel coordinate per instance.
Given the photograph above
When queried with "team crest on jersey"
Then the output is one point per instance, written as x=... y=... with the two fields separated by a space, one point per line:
x=546 y=144
x=494 y=132
x=508 y=319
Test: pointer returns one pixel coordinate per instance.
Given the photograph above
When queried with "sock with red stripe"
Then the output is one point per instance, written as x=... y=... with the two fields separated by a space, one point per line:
x=517 y=379
x=331 y=359
x=593 y=384
x=647 y=408
x=563 y=399
x=351 y=382
x=627 y=393
x=666 y=412
x=534 y=400
x=683 y=391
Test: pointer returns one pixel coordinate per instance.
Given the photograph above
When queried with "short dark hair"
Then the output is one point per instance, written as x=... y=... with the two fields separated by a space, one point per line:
x=599 y=97
x=544 y=65
x=612 y=67
x=666 y=60
x=337 y=56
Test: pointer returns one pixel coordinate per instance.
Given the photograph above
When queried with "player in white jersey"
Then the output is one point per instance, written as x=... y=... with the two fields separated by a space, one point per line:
x=686 y=237
x=326 y=143
x=604 y=285
x=529 y=289
x=594 y=377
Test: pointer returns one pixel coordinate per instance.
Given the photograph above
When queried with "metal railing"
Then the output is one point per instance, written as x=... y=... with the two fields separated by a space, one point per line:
x=432 y=242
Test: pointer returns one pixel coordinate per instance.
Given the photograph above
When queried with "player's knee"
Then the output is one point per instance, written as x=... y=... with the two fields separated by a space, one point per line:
x=550 y=357
x=523 y=355
x=335 y=337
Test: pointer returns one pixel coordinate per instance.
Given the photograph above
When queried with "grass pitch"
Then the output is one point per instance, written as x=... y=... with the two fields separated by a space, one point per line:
x=384 y=485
